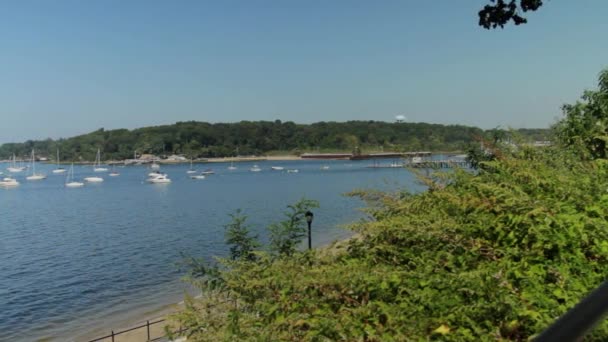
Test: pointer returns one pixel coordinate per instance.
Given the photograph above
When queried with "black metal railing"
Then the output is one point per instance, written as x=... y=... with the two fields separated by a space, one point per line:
x=147 y=326
x=579 y=320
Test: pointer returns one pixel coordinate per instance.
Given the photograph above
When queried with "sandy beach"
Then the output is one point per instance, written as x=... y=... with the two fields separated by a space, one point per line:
x=157 y=330
x=137 y=334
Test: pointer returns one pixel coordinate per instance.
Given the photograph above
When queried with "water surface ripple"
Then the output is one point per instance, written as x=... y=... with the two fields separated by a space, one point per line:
x=75 y=259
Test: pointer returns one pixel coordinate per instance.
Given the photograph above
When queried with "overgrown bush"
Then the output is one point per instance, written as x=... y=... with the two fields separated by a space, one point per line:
x=498 y=254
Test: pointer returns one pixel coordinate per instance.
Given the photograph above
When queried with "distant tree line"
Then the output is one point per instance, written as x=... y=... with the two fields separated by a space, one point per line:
x=202 y=139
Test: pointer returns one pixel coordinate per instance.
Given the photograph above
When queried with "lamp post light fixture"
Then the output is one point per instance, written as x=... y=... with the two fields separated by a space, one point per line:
x=309 y=216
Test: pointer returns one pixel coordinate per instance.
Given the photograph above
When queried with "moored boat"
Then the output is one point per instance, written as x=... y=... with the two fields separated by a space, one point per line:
x=70 y=182
x=58 y=169
x=160 y=179
x=97 y=166
x=8 y=182
x=35 y=176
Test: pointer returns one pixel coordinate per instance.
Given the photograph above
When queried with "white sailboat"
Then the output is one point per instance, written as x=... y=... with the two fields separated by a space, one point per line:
x=232 y=167
x=114 y=173
x=255 y=168
x=192 y=170
x=154 y=166
x=97 y=166
x=14 y=168
x=34 y=175
x=70 y=182
x=59 y=169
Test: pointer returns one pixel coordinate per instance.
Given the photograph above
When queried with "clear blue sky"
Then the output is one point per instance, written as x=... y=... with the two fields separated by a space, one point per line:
x=69 y=67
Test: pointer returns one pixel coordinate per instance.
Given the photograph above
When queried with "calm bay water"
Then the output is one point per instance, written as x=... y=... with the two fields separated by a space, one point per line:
x=76 y=259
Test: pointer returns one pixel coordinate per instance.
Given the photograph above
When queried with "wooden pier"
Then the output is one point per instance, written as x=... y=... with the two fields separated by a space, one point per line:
x=424 y=164
x=439 y=164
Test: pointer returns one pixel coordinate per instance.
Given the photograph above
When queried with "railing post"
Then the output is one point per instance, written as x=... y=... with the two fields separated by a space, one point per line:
x=112 y=335
x=148 y=328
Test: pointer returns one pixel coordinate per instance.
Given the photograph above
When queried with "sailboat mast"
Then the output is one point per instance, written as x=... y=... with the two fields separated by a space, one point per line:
x=33 y=163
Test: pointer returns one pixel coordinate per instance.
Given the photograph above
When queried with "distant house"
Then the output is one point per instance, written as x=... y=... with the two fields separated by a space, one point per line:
x=147 y=157
x=176 y=158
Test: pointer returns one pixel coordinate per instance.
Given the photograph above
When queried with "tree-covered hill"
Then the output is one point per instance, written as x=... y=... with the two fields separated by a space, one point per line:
x=202 y=139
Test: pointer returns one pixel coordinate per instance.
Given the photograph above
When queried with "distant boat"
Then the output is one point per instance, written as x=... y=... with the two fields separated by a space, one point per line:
x=255 y=168
x=293 y=171
x=208 y=172
x=8 y=182
x=155 y=174
x=14 y=168
x=34 y=175
x=70 y=182
x=192 y=170
x=59 y=169
x=97 y=166
x=160 y=179
x=200 y=176
x=232 y=167
x=93 y=179
x=114 y=173
x=324 y=167
x=154 y=166
x=277 y=168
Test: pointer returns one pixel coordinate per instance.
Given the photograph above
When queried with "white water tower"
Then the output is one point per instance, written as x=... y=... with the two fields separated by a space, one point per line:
x=400 y=118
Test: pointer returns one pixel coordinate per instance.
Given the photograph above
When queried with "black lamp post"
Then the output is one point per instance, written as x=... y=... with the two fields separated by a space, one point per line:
x=309 y=216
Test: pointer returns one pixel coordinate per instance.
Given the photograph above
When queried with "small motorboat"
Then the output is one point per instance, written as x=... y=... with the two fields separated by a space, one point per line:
x=161 y=179
x=201 y=176
x=93 y=179
x=255 y=168
x=293 y=171
x=155 y=174
x=324 y=167
x=277 y=168
x=208 y=172
x=8 y=182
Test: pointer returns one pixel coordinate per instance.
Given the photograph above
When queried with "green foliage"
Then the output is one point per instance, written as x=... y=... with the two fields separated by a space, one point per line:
x=585 y=125
x=238 y=237
x=287 y=234
x=201 y=139
x=496 y=255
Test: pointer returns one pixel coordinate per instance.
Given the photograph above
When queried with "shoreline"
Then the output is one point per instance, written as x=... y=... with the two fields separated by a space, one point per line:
x=222 y=160
x=134 y=319
x=163 y=311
